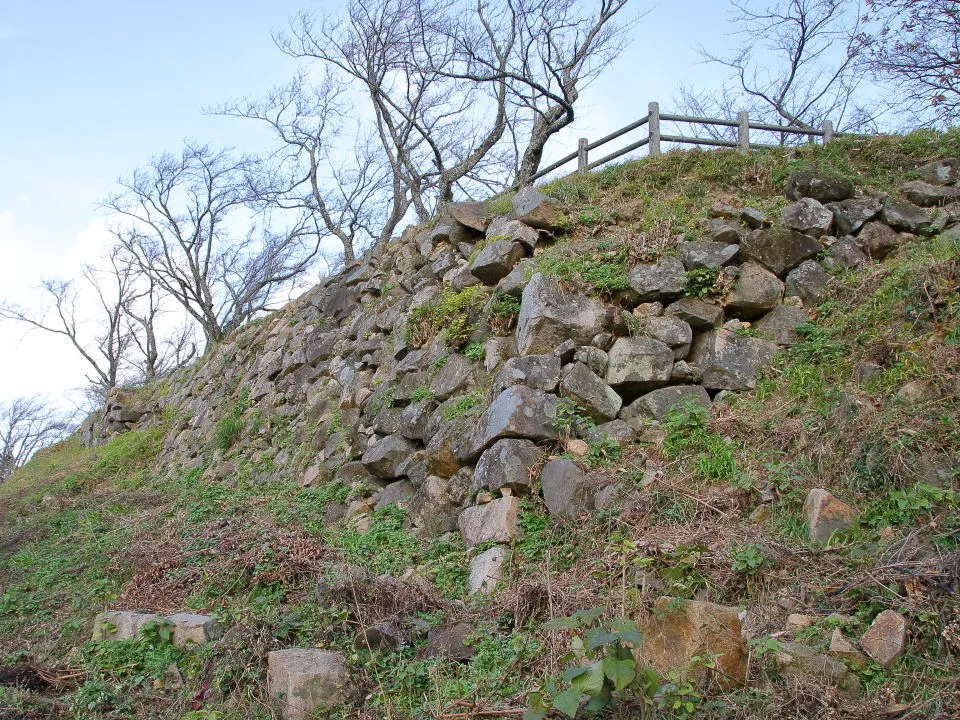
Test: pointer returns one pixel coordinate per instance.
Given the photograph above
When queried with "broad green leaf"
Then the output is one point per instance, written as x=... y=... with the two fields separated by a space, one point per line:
x=620 y=672
x=567 y=702
x=563 y=623
x=626 y=630
x=570 y=673
x=587 y=616
x=598 y=637
x=591 y=681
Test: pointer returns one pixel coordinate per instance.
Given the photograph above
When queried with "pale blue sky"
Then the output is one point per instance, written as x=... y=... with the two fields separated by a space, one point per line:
x=89 y=90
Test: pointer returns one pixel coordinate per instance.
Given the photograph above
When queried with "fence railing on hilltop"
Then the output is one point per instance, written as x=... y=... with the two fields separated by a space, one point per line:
x=654 y=138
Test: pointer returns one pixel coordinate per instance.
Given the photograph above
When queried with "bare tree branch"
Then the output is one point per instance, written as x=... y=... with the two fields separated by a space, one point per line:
x=26 y=425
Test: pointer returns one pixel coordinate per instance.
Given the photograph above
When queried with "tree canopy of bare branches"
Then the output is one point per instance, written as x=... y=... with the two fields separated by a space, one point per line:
x=915 y=44
x=795 y=66
x=178 y=226
x=26 y=425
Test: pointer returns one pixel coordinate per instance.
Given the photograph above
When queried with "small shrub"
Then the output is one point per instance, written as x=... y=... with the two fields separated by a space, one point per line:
x=702 y=283
x=465 y=406
x=452 y=312
x=421 y=394
x=230 y=425
x=749 y=559
x=474 y=351
x=504 y=311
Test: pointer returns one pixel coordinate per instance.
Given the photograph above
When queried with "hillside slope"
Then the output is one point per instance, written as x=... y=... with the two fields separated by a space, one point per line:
x=499 y=466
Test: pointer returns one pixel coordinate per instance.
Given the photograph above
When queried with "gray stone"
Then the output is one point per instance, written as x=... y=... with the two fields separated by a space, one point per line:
x=809 y=282
x=387 y=421
x=779 y=249
x=753 y=218
x=797 y=662
x=516 y=280
x=518 y=412
x=701 y=315
x=659 y=403
x=506 y=228
x=452 y=446
x=845 y=253
x=819 y=185
x=496 y=351
x=755 y=291
x=886 y=638
x=461 y=277
x=663 y=280
x=592 y=394
x=414 y=418
x=566 y=351
x=730 y=362
x=538 y=211
x=842 y=648
x=548 y=317
x=594 y=358
x=191 y=629
x=567 y=492
x=386 y=455
x=638 y=365
x=496 y=521
x=927 y=195
x=683 y=373
x=451 y=642
x=851 y=215
x=437 y=503
x=878 y=240
x=396 y=493
x=416 y=468
x=496 y=260
x=456 y=377
x=308 y=680
x=486 y=570
x=704 y=255
x=471 y=214
x=807 y=216
x=905 y=216
x=671 y=331
x=121 y=624
x=724 y=231
x=780 y=324
x=541 y=372
x=617 y=430
x=508 y=463
x=382 y=636
x=945 y=171
x=825 y=515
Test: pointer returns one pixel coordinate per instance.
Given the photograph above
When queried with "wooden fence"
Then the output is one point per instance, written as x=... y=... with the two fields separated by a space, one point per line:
x=654 y=138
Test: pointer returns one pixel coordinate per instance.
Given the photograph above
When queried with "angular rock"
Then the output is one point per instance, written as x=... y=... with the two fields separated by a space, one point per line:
x=663 y=280
x=594 y=358
x=753 y=218
x=819 y=185
x=538 y=211
x=905 y=216
x=385 y=456
x=307 y=680
x=190 y=629
x=724 y=231
x=878 y=240
x=591 y=393
x=730 y=362
x=506 y=228
x=886 y=638
x=540 y=372
x=679 y=630
x=451 y=642
x=452 y=446
x=755 y=291
x=659 y=403
x=382 y=636
x=845 y=253
x=121 y=624
x=927 y=195
x=842 y=648
x=808 y=216
x=507 y=463
x=779 y=249
x=471 y=214
x=456 y=377
x=437 y=503
x=516 y=280
x=797 y=662
x=780 y=324
x=496 y=351
x=496 y=521
x=397 y=493
x=704 y=255
x=671 y=331
x=518 y=412
x=616 y=430
x=809 y=282
x=701 y=315
x=851 y=215
x=825 y=515
x=567 y=492
x=496 y=260
x=413 y=420
x=548 y=317
x=638 y=365
x=486 y=570
x=945 y=171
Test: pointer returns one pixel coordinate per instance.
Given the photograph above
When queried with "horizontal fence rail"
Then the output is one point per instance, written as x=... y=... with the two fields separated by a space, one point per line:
x=654 y=138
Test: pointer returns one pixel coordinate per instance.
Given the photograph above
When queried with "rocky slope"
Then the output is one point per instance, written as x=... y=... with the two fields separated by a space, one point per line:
x=621 y=391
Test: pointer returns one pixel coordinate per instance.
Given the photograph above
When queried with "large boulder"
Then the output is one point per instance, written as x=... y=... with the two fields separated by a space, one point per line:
x=540 y=372
x=701 y=315
x=470 y=214
x=755 y=291
x=549 y=316
x=673 y=332
x=730 y=362
x=809 y=282
x=496 y=260
x=638 y=365
x=662 y=280
x=703 y=255
x=945 y=171
x=518 y=412
x=537 y=210
x=779 y=249
x=807 y=216
x=567 y=492
x=437 y=503
x=780 y=324
x=845 y=253
x=878 y=240
x=456 y=377
x=592 y=394
x=659 y=403
x=927 y=195
x=451 y=446
x=506 y=228
x=819 y=185
x=852 y=214
x=508 y=463
x=679 y=630
x=308 y=680
x=905 y=216
x=497 y=521
x=387 y=455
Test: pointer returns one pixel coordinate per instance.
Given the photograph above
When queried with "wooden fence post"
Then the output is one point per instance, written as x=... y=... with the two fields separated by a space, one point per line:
x=827 y=131
x=653 y=122
x=582 y=160
x=743 y=132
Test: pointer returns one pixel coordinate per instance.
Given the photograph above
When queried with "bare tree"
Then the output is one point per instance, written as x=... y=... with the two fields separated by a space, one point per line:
x=915 y=44
x=105 y=346
x=796 y=67
x=180 y=216
x=26 y=425
x=158 y=354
